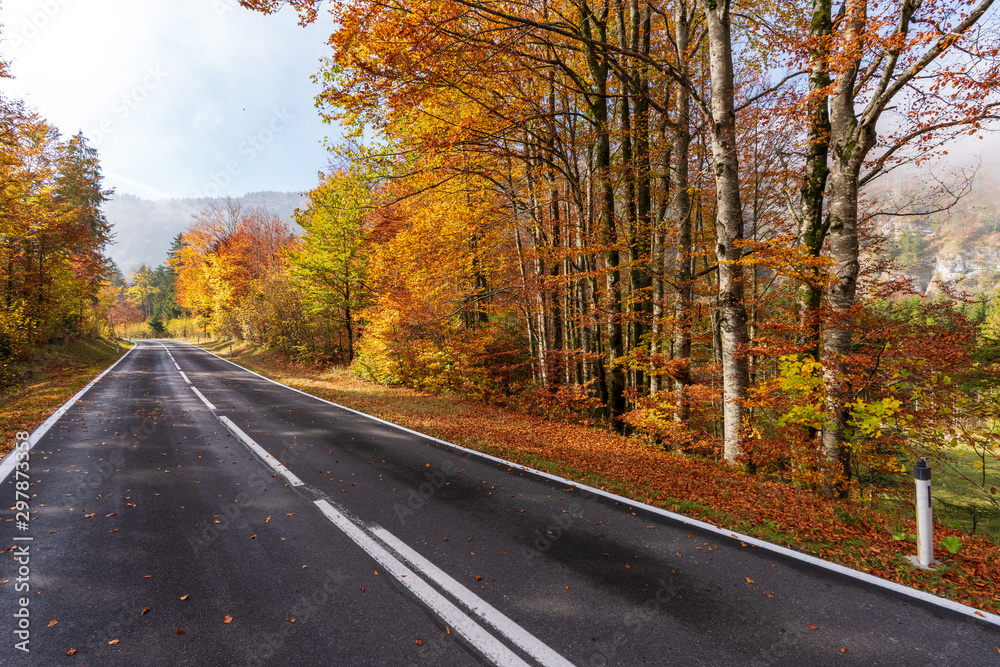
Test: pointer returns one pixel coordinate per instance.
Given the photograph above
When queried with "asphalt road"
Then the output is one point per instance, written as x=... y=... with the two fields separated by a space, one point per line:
x=323 y=537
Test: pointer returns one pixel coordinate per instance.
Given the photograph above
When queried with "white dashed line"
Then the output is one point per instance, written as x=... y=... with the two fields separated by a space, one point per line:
x=202 y=397
x=261 y=452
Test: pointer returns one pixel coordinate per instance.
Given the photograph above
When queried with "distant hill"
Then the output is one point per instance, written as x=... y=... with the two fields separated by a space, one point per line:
x=960 y=245
x=144 y=228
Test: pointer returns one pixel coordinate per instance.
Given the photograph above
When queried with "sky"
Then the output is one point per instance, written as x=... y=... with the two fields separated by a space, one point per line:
x=182 y=98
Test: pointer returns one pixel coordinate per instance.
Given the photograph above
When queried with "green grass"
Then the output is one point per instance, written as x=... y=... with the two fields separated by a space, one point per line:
x=960 y=503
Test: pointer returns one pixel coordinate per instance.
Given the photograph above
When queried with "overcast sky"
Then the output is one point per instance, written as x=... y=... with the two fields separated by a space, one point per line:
x=183 y=98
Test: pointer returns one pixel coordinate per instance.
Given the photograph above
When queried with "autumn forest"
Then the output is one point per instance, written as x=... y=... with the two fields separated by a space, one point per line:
x=649 y=217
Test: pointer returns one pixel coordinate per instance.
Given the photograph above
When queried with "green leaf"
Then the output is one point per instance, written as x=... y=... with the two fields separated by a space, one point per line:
x=952 y=543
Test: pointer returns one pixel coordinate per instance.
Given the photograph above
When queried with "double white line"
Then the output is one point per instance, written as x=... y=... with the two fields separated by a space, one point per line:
x=457 y=619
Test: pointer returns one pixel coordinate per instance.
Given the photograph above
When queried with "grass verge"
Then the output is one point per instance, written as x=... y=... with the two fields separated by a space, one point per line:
x=57 y=373
x=858 y=536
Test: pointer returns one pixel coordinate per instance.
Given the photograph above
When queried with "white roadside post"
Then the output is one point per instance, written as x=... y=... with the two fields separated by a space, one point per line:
x=925 y=520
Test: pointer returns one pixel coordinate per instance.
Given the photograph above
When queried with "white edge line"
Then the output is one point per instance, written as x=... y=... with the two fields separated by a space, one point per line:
x=784 y=551
x=458 y=620
x=185 y=377
x=274 y=463
x=202 y=397
x=9 y=461
x=531 y=645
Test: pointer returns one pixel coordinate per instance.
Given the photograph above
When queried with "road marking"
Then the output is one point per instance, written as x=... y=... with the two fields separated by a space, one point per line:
x=8 y=463
x=455 y=618
x=857 y=575
x=185 y=377
x=202 y=397
x=260 y=451
x=176 y=366
x=480 y=607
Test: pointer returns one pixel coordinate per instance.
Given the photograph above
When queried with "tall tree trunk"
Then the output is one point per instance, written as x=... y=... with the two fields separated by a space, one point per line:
x=729 y=226
x=641 y=28
x=812 y=230
x=847 y=155
x=630 y=178
x=597 y=62
x=682 y=214
x=658 y=255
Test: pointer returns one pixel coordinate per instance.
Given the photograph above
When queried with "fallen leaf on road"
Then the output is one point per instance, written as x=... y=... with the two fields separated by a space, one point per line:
x=768 y=594
x=109 y=515
x=148 y=576
x=267 y=519
x=71 y=651
x=290 y=514
x=478 y=578
x=843 y=649
x=179 y=631
x=254 y=536
x=52 y=622
x=5 y=581
x=811 y=626
x=185 y=596
x=291 y=620
x=304 y=566
x=87 y=516
x=750 y=581
x=566 y=587
x=420 y=642
x=144 y=611
x=112 y=642
x=227 y=619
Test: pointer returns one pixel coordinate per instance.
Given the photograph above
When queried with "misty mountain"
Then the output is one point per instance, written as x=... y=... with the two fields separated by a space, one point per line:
x=144 y=228
x=941 y=239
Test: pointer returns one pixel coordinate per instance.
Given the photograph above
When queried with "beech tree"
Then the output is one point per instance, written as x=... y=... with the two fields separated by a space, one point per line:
x=940 y=63
x=331 y=264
